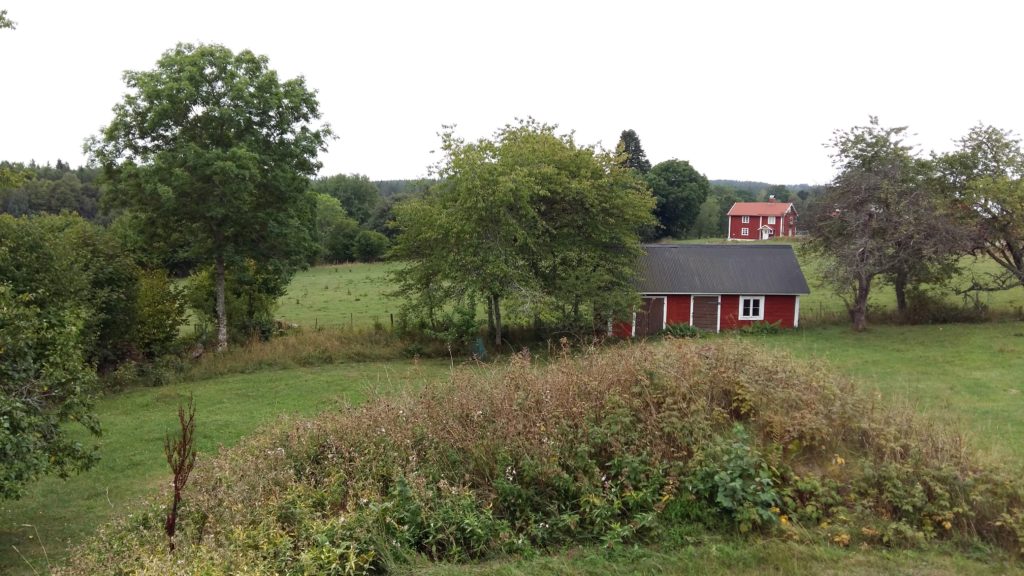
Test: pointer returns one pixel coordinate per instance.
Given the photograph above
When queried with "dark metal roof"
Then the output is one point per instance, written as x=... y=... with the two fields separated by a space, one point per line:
x=720 y=269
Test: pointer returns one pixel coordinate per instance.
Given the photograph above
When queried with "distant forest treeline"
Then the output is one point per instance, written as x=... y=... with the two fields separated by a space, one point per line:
x=52 y=189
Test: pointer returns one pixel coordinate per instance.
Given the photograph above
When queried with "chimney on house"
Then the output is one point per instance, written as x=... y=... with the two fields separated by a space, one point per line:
x=771 y=198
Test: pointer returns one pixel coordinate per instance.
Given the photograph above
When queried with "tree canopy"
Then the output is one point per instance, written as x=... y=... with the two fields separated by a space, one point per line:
x=631 y=154
x=679 y=191
x=356 y=193
x=881 y=216
x=985 y=175
x=527 y=217
x=213 y=146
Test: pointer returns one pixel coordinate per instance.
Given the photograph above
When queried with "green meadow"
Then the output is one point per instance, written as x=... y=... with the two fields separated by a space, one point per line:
x=966 y=375
x=341 y=295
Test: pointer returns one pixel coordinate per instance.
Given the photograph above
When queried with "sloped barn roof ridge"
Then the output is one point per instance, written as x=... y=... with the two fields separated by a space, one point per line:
x=720 y=269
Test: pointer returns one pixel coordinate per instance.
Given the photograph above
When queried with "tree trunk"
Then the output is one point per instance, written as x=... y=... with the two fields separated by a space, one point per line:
x=899 y=283
x=859 y=311
x=222 y=313
x=497 y=320
x=490 y=316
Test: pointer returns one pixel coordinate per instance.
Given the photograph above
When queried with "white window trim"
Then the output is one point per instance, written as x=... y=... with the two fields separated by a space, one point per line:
x=771 y=219
x=760 y=308
x=744 y=231
x=745 y=219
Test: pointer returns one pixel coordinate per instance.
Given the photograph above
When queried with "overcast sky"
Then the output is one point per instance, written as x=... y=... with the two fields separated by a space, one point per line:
x=743 y=90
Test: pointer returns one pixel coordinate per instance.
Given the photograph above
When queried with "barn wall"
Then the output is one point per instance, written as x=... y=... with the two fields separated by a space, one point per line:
x=776 y=309
x=678 y=310
x=622 y=329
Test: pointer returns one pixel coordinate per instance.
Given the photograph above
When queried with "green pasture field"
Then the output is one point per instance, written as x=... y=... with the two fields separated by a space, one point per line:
x=967 y=375
x=57 y=513
x=340 y=295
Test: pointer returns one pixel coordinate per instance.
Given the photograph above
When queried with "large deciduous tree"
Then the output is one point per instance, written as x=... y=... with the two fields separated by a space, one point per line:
x=985 y=175
x=631 y=154
x=213 y=146
x=679 y=191
x=527 y=216
x=880 y=217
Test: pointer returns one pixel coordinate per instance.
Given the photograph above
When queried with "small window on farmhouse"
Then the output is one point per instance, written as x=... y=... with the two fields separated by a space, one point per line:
x=752 y=308
x=744 y=231
x=771 y=219
x=745 y=219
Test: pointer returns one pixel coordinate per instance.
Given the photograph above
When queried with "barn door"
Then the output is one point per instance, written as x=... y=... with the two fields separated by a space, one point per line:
x=650 y=318
x=705 y=312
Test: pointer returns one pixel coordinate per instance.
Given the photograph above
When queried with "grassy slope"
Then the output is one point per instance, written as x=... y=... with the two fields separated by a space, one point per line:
x=132 y=464
x=965 y=374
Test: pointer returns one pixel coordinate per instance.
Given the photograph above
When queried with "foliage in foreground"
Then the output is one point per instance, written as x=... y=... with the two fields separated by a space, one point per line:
x=639 y=444
x=72 y=302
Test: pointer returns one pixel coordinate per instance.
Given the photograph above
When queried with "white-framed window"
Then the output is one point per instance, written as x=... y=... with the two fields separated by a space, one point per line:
x=744 y=231
x=771 y=219
x=751 y=307
x=745 y=219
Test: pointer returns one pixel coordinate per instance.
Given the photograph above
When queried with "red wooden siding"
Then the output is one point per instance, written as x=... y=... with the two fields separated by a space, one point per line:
x=776 y=309
x=678 y=310
x=736 y=226
x=622 y=329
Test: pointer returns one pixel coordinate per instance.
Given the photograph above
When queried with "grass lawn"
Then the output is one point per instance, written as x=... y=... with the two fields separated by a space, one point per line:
x=132 y=464
x=339 y=295
x=970 y=375
x=734 y=557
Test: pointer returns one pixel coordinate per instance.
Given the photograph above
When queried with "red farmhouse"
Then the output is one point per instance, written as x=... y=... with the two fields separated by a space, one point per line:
x=761 y=220
x=716 y=287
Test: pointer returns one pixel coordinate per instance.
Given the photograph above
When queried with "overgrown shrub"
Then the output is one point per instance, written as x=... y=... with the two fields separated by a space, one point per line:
x=760 y=328
x=682 y=331
x=731 y=476
x=615 y=447
x=928 y=307
x=159 y=312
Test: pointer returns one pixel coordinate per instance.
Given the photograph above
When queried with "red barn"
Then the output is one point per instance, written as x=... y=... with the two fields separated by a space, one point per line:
x=716 y=287
x=761 y=220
